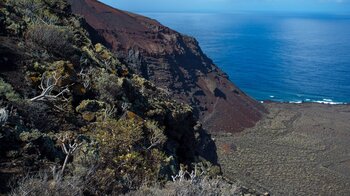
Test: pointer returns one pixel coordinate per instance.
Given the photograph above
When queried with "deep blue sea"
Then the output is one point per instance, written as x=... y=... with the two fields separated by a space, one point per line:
x=279 y=57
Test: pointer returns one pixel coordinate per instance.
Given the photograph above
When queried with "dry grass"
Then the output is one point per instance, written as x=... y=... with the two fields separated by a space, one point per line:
x=189 y=184
x=44 y=184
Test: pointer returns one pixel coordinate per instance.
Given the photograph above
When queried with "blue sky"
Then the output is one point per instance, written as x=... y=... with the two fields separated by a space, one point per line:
x=334 y=6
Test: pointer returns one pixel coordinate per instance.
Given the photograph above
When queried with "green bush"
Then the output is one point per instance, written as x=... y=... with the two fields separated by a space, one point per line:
x=109 y=87
x=7 y=91
x=123 y=154
x=118 y=137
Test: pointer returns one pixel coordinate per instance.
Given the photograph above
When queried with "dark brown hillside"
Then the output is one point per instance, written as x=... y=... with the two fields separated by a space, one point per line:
x=174 y=62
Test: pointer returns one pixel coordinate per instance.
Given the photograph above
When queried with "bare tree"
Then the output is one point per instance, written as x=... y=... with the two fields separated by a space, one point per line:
x=69 y=145
x=47 y=85
x=3 y=116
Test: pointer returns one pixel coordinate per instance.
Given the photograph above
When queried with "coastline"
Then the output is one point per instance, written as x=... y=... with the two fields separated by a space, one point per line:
x=324 y=101
x=297 y=149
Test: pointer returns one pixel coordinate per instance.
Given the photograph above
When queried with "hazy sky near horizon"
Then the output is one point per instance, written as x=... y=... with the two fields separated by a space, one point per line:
x=334 y=6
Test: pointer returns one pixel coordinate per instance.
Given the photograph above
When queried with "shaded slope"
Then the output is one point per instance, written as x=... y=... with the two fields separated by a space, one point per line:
x=174 y=62
x=70 y=106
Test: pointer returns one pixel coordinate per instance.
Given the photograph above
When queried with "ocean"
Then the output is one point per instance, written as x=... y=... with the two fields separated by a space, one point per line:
x=279 y=57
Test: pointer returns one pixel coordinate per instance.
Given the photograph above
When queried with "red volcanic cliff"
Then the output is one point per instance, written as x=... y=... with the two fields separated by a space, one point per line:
x=175 y=62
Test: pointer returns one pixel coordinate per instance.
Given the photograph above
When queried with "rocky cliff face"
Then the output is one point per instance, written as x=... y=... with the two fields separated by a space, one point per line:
x=174 y=62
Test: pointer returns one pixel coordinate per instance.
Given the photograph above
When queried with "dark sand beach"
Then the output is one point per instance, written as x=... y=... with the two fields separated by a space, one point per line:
x=297 y=149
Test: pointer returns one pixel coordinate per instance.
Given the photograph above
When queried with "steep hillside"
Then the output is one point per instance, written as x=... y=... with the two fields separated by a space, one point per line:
x=172 y=61
x=70 y=105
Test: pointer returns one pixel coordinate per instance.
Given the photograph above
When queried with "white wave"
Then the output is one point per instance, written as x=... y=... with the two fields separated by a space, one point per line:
x=330 y=102
x=324 y=101
x=296 y=102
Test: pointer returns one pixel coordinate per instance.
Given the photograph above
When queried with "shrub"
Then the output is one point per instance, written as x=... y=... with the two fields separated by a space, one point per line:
x=123 y=154
x=109 y=87
x=55 y=39
x=7 y=91
x=118 y=136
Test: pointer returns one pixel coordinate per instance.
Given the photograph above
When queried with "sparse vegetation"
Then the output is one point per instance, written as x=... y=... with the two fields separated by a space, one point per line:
x=187 y=184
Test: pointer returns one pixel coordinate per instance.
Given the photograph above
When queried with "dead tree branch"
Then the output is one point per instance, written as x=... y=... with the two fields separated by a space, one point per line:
x=69 y=146
x=47 y=85
x=192 y=177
